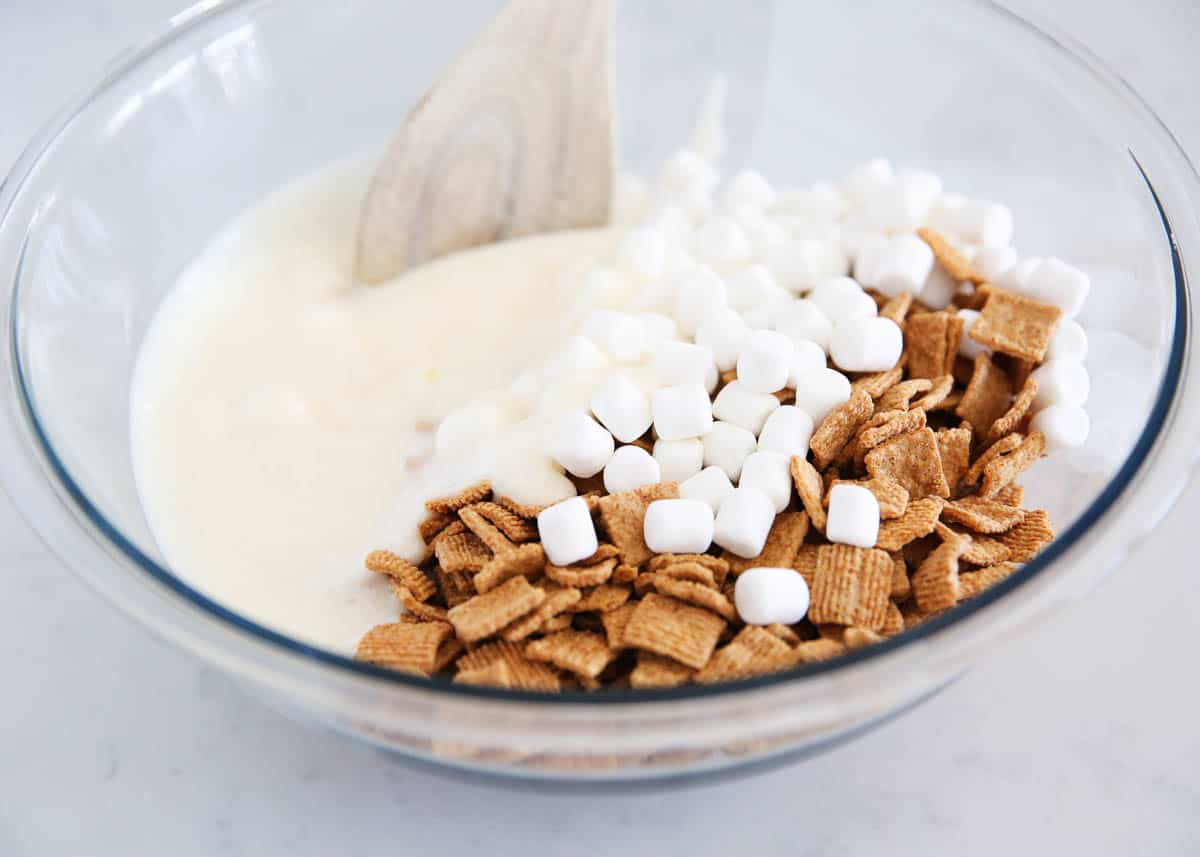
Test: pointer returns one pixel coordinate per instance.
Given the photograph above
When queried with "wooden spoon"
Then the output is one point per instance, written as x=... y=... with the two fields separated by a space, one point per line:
x=515 y=139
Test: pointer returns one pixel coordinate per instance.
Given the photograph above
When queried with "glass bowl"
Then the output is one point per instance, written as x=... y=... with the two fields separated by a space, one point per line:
x=126 y=185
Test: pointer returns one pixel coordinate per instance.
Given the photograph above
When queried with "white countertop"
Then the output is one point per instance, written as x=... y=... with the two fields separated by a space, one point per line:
x=1080 y=738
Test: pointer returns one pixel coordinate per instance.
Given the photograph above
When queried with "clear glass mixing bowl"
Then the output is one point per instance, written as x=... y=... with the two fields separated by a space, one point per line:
x=125 y=186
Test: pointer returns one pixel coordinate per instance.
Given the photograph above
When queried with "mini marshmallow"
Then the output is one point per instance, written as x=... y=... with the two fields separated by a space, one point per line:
x=622 y=408
x=991 y=262
x=822 y=201
x=967 y=346
x=743 y=407
x=939 y=288
x=752 y=287
x=988 y=224
x=853 y=517
x=864 y=246
x=598 y=286
x=1016 y=276
x=711 y=485
x=630 y=467
x=687 y=171
x=819 y=392
x=748 y=188
x=866 y=344
x=679 y=459
x=684 y=363
x=643 y=252
x=1069 y=342
x=763 y=234
x=841 y=299
x=944 y=210
x=681 y=411
x=787 y=431
x=620 y=335
x=678 y=526
x=743 y=521
x=722 y=243
x=800 y=263
x=905 y=202
x=902 y=265
x=765 y=361
x=765 y=596
x=803 y=320
x=658 y=328
x=770 y=473
x=868 y=179
x=567 y=532
x=726 y=446
x=807 y=358
x=629 y=197
x=1055 y=282
x=576 y=355
x=697 y=293
x=1061 y=382
x=580 y=444
x=724 y=331
x=1065 y=426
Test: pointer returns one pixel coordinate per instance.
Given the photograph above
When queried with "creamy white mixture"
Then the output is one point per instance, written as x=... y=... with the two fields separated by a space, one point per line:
x=282 y=414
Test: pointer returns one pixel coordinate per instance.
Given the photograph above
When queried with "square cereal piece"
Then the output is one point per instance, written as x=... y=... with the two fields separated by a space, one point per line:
x=971 y=583
x=895 y=309
x=1011 y=419
x=875 y=384
x=622 y=515
x=851 y=586
x=515 y=528
x=783 y=540
x=448 y=653
x=471 y=494
x=485 y=530
x=954 y=449
x=912 y=460
x=486 y=614
x=1011 y=494
x=957 y=266
x=695 y=593
x=693 y=571
x=559 y=599
x=403 y=646
x=408 y=575
x=495 y=674
x=900 y=396
x=1026 y=539
x=938 y=393
x=1003 y=446
x=675 y=629
x=1015 y=324
x=886 y=425
x=806 y=563
x=987 y=396
x=584 y=653
x=901 y=586
x=614 y=622
x=413 y=607
x=525 y=674
x=984 y=551
x=918 y=520
x=434 y=524
x=603 y=598
x=718 y=566
x=815 y=651
x=810 y=489
x=891 y=496
x=935 y=584
x=859 y=638
x=982 y=515
x=752 y=652
x=582 y=575
x=528 y=560
x=461 y=552
x=893 y=623
x=1003 y=469
x=657 y=671
x=932 y=343
x=839 y=426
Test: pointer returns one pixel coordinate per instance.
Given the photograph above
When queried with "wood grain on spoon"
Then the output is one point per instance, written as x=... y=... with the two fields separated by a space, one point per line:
x=515 y=139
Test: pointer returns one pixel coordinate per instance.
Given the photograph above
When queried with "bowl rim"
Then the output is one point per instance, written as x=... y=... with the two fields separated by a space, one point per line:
x=206 y=11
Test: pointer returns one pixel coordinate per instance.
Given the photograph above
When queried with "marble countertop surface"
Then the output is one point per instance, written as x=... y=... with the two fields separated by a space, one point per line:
x=1079 y=738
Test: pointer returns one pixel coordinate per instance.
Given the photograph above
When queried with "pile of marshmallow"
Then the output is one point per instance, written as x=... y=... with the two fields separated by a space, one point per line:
x=770 y=283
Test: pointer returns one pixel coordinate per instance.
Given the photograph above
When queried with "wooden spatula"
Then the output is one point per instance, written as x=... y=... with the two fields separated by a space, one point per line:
x=515 y=139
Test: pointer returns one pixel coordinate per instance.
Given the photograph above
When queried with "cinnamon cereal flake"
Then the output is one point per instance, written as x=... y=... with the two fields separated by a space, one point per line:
x=514 y=527
x=693 y=571
x=839 y=426
x=558 y=600
x=806 y=563
x=486 y=614
x=485 y=530
x=695 y=593
x=893 y=622
x=875 y=384
x=582 y=575
x=913 y=461
x=891 y=496
x=987 y=395
x=783 y=540
x=982 y=515
x=810 y=489
x=974 y=582
x=851 y=586
x=1003 y=446
x=1011 y=419
x=931 y=340
x=1027 y=538
x=494 y=674
x=434 y=524
x=886 y=425
x=896 y=308
x=900 y=396
x=1012 y=494
x=658 y=671
x=411 y=577
x=525 y=674
x=918 y=520
x=604 y=598
x=815 y=651
x=1004 y=469
x=461 y=552
x=675 y=629
x=935 y=584
x=467 y=496
x=954 y=263
x=582 y=652
x=901 y=588
x=784 y=632
x=526 y=561
x=622 y=516
x=859 y=638
x=954 y=449
x=413 y=607
x=752 y=652
x=614 y=622
x=937 y=395
x=403 y=646
x=1015 y=324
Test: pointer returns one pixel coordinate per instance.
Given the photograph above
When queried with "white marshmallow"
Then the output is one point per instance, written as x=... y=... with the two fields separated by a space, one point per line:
x=866 y=344
x=567 y=531
x=678 y=526
x=863 y=246
x=841 y=299
x=765 y=361
x=806 y=359
x=770 y=473
x=1069 y=342
x=944 y=211
x=743 y=521
x=711 y=485
x=622 y=408
x=684 y=363
x=1061 y=382
x=800 y=263
x=1016 y=275
x=748 y=188
x=853 y=517
x=726 y=446
x=743 y=407
x=580 y=444
x=620 y=335
x=575 y=356
x=681 y=411
x=722 y=243
x=630 y=467
x=939 y=288
x=988 y=224
x=1055 y=282
x=679 y=459
x=903 y=204
x=531 y=479
x=763 y=234
x=822 y=201
x=902 y=265
x=658 y=328
x=788 y=431
x=819 y=392
x=686 y=171
x=629 y=197
x=724 y=331
x=991 y=262
x=599 y=286
x=967 y=346
x=868 y=179
x=697 y=293
x=465 y=425
x=764 y=596
x=803 y=320
x=1065 y=426
x=752 y=287
x=643 y=252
